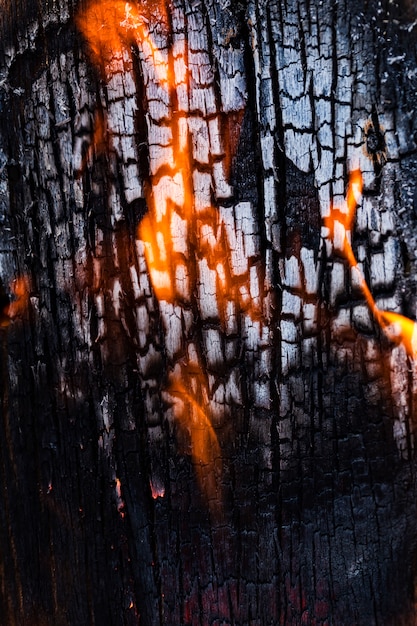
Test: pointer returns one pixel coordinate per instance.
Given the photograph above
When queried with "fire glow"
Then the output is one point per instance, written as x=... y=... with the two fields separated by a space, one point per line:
x=111 y=26
x=19 y=303
x=187 y=244
x=396 y=327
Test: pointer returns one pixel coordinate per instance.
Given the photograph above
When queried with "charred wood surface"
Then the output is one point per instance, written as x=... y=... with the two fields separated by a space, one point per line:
x=202 y=421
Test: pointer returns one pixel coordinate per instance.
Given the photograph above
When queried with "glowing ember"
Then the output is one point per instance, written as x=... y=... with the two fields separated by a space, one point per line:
x=157 y=491
x=19 y=303
x=396 y=327
x=119 y=498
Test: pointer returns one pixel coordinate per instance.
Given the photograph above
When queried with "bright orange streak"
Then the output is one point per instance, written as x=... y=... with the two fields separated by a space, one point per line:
x=345 y=218
x=157 y=240
x=205 y=449
x=400 y=329
x=202 y=431
x=156 y=232
x=20 y=290
x=111 y=27
x=396 y=327
x=119 y=498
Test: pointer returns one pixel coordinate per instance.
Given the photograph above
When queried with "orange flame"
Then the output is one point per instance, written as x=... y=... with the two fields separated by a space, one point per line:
x=205 y=449
x=119 y=498
x=183 y=238
x=157 y=240
x=398 y=328
x=340 y=221
x=112 y=26
x=19 y=303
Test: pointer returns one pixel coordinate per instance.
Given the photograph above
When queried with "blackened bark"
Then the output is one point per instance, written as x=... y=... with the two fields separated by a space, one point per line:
x=202 y=421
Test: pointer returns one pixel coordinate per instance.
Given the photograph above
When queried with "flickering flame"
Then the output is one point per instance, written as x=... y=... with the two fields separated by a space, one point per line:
x=19 y=303
x=158 y=253
x=189 y=250
x=119 y=498
x=396 y=327
x=400 y=329
x=157 y=491
x=340 y=221
x=204 y=445
x=201 y=429
x=112 y=26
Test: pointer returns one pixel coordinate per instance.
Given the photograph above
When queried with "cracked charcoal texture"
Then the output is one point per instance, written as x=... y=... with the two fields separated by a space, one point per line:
x=305 y=512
